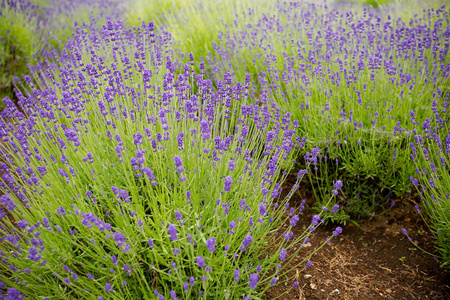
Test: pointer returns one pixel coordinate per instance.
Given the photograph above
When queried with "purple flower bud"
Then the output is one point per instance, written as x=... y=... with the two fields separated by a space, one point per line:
x=294 y=220
x=247 y=240
x=173 y=232
x=22 y=224
x=232 y=224
x=253 y=282
x=178 y=162
x=236 y=275
x=211 y=244
x=200 y=262
x=282 y=254
x=228 y=181
x=337 y=231
x=262 y=209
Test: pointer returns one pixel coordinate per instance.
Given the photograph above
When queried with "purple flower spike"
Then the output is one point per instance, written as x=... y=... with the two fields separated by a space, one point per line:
x=172 y=232
x=22 y=224
x=211 y=244
x=151 y=244
x=282 y=254
x=200 y=262
x=253 y=282
x=236 y=275
x=337 y=231
x=338 y=185
x=178 y=162
x=247 y=240
x=108 y=288
x=14 y=294
x=262 y=209
x=228 y=181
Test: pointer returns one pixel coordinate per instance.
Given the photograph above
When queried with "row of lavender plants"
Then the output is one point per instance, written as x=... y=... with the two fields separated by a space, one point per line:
x=127 y=175
x=131 y=171
x=362 y=82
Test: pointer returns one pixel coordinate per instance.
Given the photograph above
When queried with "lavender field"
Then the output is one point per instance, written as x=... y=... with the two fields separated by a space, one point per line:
x=162 y=149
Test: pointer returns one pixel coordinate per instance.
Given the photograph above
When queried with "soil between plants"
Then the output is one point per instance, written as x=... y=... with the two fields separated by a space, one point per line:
x=374 y=260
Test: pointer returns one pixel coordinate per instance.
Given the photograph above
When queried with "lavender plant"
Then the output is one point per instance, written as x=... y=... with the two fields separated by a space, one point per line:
x=350 y=77
x=430 y=157
x=122 y=180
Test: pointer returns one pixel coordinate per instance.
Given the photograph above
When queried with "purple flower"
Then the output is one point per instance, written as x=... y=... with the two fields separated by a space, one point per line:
x=337 y=231
x=211 y=244
x=253 y=282
x=404 y=231
x=232 y=224
x=178 y=162
x=236 y=275
x=178 y=215
x=338 y=185
x=316 y=220
x=294 y=220
x=247 y=240
x=119 y=238
x=108 y=288
x=173 y=295
x=228 y=181
x=200 y=262
x=172 y=232
x=22 y=224
x=282 y=254
x=186 y=286
x=151 y=244
x=14 y=294
x=191 y=281
x=176 y=251
x=273 y=281
x=262 y=209
x=308 y=263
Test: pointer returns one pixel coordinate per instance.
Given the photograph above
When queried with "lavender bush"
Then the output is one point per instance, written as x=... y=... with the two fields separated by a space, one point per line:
x=350 y=77
x=430 y=156
x=124 y=180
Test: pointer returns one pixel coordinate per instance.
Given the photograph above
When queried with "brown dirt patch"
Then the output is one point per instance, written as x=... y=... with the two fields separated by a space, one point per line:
x=371 y=261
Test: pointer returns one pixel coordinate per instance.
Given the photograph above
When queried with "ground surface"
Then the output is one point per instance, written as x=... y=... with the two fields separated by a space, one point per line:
x=372 y=261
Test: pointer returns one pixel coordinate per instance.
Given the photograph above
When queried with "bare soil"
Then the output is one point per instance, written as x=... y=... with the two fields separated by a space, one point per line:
x=374 y=260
